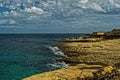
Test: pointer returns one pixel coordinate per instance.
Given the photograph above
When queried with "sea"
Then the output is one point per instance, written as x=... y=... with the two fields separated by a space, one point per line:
x=23 y=55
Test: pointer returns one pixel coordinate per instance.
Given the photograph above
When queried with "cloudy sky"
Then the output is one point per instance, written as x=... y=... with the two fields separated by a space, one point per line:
x=58 y=16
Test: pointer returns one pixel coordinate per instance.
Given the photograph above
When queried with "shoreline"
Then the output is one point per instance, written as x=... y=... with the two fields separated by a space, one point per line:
x=91 y=58
x=77 y=52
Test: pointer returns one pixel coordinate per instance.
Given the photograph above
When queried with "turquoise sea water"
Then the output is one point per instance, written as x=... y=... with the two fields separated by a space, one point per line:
x=25 y=55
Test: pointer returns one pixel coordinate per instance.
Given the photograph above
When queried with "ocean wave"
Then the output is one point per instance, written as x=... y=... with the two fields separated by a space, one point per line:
x=56 y=51
x=58 y=64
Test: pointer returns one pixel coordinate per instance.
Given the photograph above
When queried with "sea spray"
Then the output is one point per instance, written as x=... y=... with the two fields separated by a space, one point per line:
x=56 y=51
x=58 y=64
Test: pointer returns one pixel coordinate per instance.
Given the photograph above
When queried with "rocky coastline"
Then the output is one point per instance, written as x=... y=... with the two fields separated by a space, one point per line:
x=105 y=52
x=96 y=57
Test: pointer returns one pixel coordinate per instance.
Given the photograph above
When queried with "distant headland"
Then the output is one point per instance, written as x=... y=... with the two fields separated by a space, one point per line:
x=95 y=36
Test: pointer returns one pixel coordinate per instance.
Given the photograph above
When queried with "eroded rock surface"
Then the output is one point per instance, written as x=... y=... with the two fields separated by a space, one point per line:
x=106 y=52
x=67 y=73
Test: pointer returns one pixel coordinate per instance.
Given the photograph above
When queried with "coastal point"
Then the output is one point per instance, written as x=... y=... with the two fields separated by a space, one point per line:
x=91 y=57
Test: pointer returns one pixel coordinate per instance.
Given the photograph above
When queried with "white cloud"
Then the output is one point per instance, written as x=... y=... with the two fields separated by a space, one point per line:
x=10 y=27
x=114 y=4
x=32 y=18
x=29 y=1
x=11 y=21
x=5 y=13
x=3 y=21
x=83 y=1
x=117 y=5
x=34 y=10
x=47 y=9
x=1 y=4
x=75 y=12
x=14 y=13
x=97 y=7
x=7 y=21
x=86 y=5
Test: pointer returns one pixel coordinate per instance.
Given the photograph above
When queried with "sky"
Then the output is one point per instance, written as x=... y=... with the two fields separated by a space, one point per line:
x=58 y=16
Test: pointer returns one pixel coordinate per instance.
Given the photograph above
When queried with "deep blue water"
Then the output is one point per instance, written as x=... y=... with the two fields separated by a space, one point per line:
x=23 y=55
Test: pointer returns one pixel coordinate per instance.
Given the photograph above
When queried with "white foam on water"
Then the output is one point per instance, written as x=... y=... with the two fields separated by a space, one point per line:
x=58 y=64
x=56 y=51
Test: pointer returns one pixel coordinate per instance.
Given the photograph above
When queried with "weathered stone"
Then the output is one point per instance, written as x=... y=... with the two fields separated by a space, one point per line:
x=103 y=52
x=67 y=73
